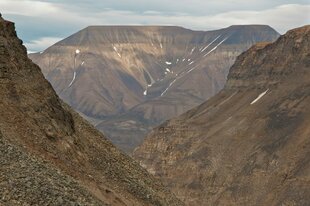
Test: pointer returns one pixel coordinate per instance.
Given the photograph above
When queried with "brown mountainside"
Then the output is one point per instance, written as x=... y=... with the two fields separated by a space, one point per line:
x=49 y=155
x=127 y=79
x=249 y=144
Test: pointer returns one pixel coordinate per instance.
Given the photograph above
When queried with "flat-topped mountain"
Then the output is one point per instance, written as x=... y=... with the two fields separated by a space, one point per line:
x=49 y=155
x=250 y=143
x=138 y=76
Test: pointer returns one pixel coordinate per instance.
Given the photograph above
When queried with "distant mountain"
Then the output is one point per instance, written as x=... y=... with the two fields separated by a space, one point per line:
x=250 y=143
x=49 y=155
x=136 y=77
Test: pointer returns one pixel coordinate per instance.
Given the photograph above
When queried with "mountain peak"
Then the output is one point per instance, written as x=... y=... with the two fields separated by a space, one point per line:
x=146 y=73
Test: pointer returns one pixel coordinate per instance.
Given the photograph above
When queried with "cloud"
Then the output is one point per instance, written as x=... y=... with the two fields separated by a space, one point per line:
x=42 y=43
x=39 y=22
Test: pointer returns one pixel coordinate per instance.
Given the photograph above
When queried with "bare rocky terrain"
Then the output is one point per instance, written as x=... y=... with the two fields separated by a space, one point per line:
x=49 y=155
x=250 y=143
x=128 y=79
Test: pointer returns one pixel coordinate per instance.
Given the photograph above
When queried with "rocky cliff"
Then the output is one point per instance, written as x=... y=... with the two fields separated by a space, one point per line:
x=49 y=155
x=126 y=79
x=249 y=144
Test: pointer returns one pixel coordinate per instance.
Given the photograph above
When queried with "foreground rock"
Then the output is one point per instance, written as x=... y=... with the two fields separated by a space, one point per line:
x=49 y=155
x=249 y=144
x=127 y=79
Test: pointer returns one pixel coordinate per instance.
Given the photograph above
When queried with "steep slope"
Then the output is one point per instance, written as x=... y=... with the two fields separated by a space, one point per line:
x=25 y=180
x=48 y=152
x=137 y=76
x=249 y=144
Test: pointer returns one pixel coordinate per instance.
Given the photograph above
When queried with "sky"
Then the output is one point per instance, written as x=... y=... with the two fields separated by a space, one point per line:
x=41 y=23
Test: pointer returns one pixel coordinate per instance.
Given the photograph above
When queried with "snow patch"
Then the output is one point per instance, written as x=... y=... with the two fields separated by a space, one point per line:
x=74 y=75
x=77 y=51
x=82 y=63
x=115 y=49
x=259 y=96
x=193 y=49
x=168 y=70
x=191 y=63
x=145 y=92
x=168 y=63
x=161 y=46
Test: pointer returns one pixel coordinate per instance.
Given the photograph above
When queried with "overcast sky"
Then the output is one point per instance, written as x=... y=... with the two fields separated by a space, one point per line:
x=41 y=23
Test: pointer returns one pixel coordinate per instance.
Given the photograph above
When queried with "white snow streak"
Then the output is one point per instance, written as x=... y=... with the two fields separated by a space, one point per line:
x=115 y=49
x=181 y=75
x=168 y=70
x=223 y=102
x=161 y=46
x=191 y=69
x=82 y=63
x=168 y=63
x=145 y=92
x=259 y=96
x=74 y=75
x=168 y=87
x=210 y=43
x=193 y=49
x=178 y=77
x=215 y=47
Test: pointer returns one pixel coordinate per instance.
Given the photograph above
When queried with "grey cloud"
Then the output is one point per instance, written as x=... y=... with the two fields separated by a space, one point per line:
x=54 y=19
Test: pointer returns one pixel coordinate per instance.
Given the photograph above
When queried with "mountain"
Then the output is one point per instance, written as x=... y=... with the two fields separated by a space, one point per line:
x=250 y=143
x=49 y=155
x=135 y=77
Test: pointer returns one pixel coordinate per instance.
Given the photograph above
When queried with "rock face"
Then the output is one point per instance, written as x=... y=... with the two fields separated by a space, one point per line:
x=250 y=143
x=126 y=79
x=49 y=155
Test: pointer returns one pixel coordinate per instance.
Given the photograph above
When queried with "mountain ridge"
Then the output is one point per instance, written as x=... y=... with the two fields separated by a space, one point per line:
x=129 y=74
x=249 y=144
